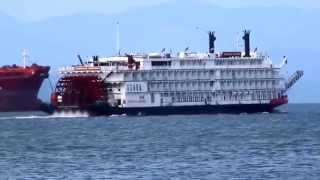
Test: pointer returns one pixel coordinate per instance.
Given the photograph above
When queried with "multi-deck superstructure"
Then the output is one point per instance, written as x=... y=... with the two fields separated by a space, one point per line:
x=163 y=83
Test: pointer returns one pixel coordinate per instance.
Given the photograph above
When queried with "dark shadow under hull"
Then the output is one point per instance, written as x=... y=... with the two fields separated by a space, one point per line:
x=98 y=110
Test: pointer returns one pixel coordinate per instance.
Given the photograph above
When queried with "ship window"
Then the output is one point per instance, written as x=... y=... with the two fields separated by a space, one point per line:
x=161 y=63
x=211 y=84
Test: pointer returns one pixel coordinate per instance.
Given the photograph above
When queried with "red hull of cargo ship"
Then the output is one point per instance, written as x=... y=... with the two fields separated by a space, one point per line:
x=19 y=87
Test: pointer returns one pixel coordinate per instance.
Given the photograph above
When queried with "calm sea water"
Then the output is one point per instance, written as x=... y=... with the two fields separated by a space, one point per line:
x=248 y=146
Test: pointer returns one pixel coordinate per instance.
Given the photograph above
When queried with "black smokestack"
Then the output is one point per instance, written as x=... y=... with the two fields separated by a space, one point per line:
x=246 y=39
x=95 y=58
x=80 y=59
x=212 y=39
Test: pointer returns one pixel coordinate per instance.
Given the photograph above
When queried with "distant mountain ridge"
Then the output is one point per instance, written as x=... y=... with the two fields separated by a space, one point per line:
x=278 y=31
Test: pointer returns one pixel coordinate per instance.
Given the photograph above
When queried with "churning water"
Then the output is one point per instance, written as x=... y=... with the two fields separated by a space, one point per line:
x=283 y=145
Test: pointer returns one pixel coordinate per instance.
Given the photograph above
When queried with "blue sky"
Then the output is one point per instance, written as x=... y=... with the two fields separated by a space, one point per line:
x=37 y=10
x=55 y=31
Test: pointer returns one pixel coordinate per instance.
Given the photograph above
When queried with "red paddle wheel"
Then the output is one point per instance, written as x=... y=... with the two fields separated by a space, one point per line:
x=78 y=92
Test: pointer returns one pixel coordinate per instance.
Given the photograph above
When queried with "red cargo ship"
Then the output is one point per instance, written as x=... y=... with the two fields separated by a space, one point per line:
x=19 y=87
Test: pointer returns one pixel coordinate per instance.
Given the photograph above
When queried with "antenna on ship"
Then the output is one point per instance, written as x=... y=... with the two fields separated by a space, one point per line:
x=238 y=42
x=200 y=29
x=24 y=57
x=212 y=39
x=118 y=38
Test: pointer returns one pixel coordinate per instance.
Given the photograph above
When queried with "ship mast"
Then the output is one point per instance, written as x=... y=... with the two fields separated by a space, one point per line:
x=118 y=38
x=24 y=57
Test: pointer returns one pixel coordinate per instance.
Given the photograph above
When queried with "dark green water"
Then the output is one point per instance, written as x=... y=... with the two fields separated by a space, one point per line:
x=246 y=146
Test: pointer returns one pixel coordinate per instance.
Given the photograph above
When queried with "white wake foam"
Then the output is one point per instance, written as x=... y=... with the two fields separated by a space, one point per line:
x=70 y=114
x=63 y=114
